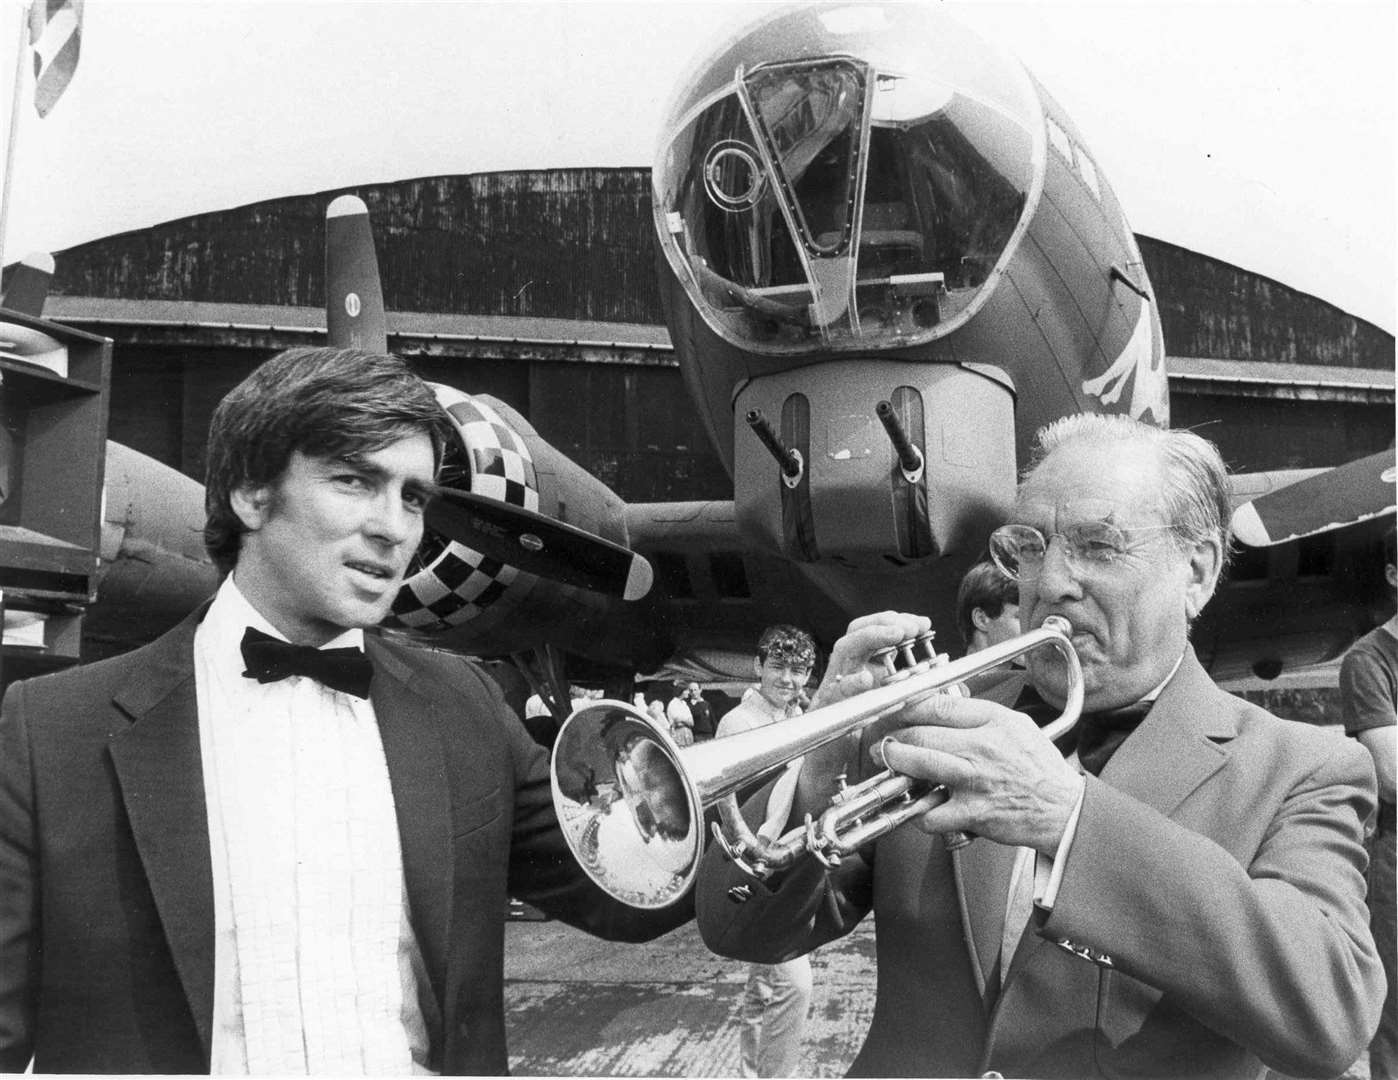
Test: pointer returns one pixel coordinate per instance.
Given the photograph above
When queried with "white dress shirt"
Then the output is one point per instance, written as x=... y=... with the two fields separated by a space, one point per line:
x=316 y=969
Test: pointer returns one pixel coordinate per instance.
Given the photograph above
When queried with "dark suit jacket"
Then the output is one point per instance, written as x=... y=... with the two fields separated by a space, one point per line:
x=1211 y=916
x=106 y=900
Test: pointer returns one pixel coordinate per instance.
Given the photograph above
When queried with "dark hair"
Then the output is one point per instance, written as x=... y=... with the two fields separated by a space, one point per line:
x=322 y=402
x=786 y=644
x=984 y=587
x=1390 y=546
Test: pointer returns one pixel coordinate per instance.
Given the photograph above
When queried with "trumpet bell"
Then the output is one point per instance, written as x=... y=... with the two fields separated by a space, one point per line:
x=632 y=803
x=629 y=812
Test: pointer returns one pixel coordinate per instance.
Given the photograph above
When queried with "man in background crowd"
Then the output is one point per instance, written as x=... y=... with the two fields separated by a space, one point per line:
x=701 y=710
x=987 y=613
x=778 y=995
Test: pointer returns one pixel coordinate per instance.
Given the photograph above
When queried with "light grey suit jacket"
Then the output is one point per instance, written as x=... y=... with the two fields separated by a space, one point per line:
x=1211 y=916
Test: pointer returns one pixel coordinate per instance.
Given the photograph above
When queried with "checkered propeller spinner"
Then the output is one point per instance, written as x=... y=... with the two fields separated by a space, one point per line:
x=455 y=582
x=488 y=540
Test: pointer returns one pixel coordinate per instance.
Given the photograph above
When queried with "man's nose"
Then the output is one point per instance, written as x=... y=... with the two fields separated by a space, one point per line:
x=1058 y=577
x=392 y=522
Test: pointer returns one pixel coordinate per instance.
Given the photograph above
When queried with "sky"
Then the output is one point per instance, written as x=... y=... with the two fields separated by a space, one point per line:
x=1262 y=133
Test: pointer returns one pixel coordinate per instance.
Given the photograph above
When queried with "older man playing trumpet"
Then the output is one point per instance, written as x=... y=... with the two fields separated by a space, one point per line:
x=1183 y=895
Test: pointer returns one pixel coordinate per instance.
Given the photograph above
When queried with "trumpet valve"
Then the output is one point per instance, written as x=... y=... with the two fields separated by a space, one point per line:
x=916 y=655
x=885 y=658
x=908 y=657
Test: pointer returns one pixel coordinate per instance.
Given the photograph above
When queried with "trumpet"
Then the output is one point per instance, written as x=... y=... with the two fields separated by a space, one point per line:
x=631 y=802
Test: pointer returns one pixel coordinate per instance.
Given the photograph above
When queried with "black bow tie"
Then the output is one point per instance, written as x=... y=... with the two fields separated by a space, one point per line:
x=1099 y=734
x=270 y=659
x=1095 y=736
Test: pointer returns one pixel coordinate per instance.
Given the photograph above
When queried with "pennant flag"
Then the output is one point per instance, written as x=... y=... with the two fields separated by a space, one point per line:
x=55 y=31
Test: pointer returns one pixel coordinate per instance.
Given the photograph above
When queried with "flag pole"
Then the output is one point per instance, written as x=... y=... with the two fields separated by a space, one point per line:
x=12 y=137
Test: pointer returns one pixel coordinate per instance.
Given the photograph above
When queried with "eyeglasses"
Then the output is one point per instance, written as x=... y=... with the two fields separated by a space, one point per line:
x=1019 y=550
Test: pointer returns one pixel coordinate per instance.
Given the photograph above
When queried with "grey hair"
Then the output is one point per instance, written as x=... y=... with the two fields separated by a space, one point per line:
x=1195 y=492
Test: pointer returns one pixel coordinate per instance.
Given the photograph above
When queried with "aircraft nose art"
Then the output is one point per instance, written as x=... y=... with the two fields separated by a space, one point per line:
x=848 y=179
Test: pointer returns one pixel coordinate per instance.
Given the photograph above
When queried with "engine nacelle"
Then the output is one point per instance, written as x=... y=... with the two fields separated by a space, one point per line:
x=467 y=601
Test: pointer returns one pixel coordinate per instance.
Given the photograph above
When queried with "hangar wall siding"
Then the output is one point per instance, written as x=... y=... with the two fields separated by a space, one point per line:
x=572 y=244
x=630 y=426
x=577 y=244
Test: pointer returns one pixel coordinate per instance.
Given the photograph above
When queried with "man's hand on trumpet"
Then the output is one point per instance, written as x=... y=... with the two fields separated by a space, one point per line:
x=849 y=672
x=1007 y=781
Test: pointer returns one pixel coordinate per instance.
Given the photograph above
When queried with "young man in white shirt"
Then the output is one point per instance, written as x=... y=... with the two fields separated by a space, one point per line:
x=778 y=995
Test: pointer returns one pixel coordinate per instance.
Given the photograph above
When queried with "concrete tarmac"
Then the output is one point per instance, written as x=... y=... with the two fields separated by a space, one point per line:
x=576 y=1006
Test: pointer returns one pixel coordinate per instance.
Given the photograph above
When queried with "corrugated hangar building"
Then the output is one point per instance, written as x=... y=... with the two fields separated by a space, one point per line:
x=539 y=287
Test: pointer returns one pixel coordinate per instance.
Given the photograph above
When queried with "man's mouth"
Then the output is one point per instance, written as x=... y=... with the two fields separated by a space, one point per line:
x=375 y=570
x=1080 y=636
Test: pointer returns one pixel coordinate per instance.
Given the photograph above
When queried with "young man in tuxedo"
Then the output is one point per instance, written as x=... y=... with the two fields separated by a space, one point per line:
x=271 y=841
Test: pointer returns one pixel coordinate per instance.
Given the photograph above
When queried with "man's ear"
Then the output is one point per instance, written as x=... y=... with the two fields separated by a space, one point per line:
x=757 y=668
x=1205 y=564
x=251 y=504
x=980 y=620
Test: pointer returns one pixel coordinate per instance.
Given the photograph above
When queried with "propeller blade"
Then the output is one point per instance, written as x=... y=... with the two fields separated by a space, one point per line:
x=1342 y=496
x=354 y=315
x=539 y=545
x=28 y=286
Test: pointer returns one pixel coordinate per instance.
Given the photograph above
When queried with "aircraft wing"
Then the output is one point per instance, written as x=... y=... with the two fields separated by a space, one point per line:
x=1307 y=572
x=1319 y=502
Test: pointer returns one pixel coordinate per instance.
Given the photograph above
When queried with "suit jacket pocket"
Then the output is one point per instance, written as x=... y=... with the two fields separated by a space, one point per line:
x=475 y=813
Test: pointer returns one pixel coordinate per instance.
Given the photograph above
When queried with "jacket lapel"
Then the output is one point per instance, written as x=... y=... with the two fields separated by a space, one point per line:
x=1189 y=728
x=160 y=774
x=410 y=725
